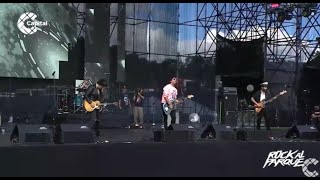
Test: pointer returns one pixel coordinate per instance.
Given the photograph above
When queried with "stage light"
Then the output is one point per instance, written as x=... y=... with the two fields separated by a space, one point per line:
x=288 y=17
x=275 y=5
x=313 y=5
x=288 y=12
x=281 y=17
x=309 y=9
x=313 y=8
x=306 y=12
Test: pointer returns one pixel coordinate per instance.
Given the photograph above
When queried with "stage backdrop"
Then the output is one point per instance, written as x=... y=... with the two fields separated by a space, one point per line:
x=34 y=37
x=240 y=63
x=240 y=59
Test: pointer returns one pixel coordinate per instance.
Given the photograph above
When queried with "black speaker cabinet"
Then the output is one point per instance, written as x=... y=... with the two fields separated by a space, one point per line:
x=175 y=133
x=224 y=132
x=230 y=102
x=303 y=132
x=76 y=133
x=37 y=133
x=231 y=118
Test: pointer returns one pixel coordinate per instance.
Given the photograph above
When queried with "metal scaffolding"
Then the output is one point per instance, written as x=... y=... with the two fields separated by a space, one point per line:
x=81 y=17
x=239 y=22
x=288 y=42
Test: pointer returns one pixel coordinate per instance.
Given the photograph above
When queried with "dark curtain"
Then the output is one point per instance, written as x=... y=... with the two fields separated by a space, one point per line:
x=240 y=62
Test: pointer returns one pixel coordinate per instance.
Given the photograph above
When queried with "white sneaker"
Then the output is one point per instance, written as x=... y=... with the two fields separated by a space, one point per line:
x=272 y=138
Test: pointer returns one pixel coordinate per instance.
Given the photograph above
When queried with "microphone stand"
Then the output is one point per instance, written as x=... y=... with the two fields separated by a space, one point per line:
x=54 y=125
x=54 y=92
x=153 y=112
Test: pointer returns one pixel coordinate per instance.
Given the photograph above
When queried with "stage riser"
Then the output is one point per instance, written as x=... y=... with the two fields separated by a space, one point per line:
x=157 y=159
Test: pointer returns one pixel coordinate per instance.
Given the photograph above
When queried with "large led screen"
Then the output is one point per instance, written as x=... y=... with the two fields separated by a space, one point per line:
x=34 y=37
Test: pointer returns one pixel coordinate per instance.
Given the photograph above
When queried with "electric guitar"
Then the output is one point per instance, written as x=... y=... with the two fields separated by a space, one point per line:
x=166 y=107
x=263 y=103
x=97 y=104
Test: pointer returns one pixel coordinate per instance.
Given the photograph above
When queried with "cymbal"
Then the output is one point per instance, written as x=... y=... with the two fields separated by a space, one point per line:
x=81 y=89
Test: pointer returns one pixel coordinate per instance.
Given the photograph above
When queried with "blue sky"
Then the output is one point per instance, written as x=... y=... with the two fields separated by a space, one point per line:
x=189 y=34
x=188 y=12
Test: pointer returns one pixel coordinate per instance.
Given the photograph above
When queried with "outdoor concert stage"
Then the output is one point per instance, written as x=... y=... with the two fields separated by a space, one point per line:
x=132 y=152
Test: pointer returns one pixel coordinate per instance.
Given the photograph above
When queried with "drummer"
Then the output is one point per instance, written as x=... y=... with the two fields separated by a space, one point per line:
x=80 y=90
x=85 y=84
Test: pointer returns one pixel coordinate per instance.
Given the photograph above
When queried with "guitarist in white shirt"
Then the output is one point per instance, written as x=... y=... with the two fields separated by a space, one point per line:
x=169 y=95
x=259 y=96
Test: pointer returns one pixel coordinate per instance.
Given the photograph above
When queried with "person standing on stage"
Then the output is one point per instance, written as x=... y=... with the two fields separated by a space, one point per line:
x=138 y=99
x=259 y=96
x=315 y=117
x=95 y=93
x=125 y=105
x=169 y=96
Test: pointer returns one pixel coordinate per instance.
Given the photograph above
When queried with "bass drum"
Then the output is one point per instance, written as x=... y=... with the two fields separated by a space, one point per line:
x=78 y=100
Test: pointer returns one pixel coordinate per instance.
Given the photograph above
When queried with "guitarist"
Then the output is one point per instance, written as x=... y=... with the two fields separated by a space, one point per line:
x=169 y=94
x=95 y=93
x=315 y=117
x=263 y=94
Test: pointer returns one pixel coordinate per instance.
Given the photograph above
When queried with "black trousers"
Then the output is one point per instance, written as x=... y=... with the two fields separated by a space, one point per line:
x=95 y=118
x=263 y=113
x=165 y=117
x=316 y=123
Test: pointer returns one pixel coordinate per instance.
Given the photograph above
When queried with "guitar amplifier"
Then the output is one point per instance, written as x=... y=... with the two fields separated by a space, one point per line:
x=230 y=95
x=230 y=90
x=231 y=118
x=230 y=102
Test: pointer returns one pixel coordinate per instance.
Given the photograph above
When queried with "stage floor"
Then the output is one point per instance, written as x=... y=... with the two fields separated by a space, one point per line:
x=146 y=135
x=132 y=152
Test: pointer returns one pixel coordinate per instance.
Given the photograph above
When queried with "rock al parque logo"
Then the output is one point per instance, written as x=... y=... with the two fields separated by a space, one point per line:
x=291 y=158
x=28 y=24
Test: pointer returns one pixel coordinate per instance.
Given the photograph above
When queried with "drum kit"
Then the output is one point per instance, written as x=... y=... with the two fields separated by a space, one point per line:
x=69 y=102
x=70 y=99
x=72 y=102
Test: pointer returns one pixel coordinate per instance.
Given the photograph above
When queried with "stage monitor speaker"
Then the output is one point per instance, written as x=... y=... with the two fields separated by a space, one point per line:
x=231 y=118
x=76 y=133
x=158 y=135
x=224 y=132
x=303 y=132
x=37 y=133
x=242 y=135
x=258 y=135
x=175 y=133
x=208 y=132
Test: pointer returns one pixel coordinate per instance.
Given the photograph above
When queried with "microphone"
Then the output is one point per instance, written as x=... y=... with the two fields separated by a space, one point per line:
x=287 y=86
x=54 y=72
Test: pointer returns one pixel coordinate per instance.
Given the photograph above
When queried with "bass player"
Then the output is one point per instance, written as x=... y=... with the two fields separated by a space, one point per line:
x=169 y=96
x=259 y=96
